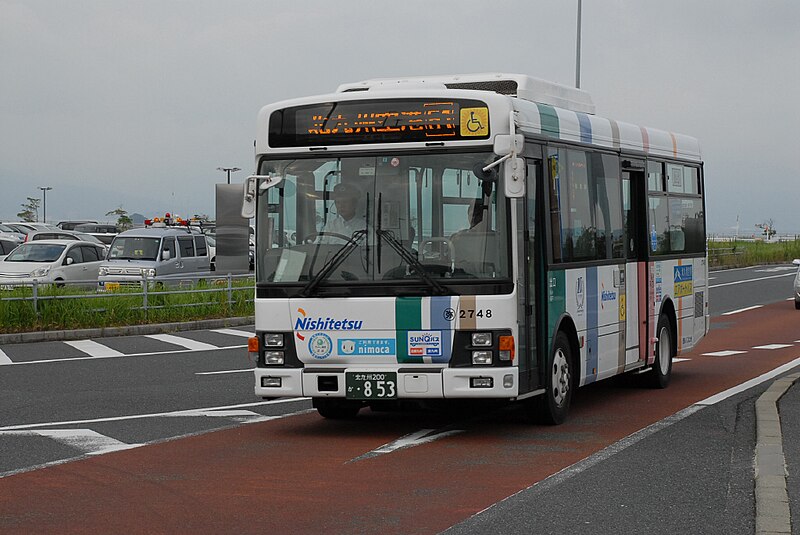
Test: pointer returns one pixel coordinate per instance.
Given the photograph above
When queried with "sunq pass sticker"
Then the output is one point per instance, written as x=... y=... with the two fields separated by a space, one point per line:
x=425 y=343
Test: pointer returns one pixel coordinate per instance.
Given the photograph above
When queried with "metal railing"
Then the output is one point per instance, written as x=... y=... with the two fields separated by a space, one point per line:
x=153 y=295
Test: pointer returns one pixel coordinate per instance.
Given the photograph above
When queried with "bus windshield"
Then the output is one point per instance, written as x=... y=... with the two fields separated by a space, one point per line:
x=405 y=219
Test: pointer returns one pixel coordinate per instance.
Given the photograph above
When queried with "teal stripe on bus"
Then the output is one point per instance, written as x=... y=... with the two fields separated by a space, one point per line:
x=408 y=317
x=556 y=302
x=549 y=120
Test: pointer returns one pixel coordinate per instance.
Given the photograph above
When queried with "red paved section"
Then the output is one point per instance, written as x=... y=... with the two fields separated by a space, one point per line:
x=298 y=474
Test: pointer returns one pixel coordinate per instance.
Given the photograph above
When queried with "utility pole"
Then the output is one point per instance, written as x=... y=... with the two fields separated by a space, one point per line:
x=228 y=171
x=44 y=189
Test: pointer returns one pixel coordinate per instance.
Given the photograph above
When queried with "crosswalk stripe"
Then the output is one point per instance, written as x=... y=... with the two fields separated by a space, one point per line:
x=86 y=441
x=233 y=332
x=94 y=349
x=180 y=341
x=4 y=358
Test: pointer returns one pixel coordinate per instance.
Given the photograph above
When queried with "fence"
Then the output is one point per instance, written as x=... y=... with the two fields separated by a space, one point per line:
x=36 y=306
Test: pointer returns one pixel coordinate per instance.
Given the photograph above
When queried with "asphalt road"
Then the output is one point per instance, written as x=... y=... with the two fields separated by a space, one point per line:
x=61 y=402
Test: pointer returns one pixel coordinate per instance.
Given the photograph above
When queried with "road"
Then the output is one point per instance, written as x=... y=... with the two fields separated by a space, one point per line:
x=85 y=410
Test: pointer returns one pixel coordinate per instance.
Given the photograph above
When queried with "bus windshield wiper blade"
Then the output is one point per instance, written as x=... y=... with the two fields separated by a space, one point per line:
x=411 y=260
x=337 y=259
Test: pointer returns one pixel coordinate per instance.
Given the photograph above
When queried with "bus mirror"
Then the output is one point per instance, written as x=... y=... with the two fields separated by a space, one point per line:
x=251 y=188
x=514 y=177
x=507 y=144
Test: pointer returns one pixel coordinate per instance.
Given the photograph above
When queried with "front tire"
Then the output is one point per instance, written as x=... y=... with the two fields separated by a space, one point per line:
x=553 y=405
x=665 y=351
x=797 y=304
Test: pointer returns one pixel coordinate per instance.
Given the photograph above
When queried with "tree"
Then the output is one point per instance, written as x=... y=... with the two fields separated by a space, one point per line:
x=124 y=221
x=767 y=228
x=30 y=210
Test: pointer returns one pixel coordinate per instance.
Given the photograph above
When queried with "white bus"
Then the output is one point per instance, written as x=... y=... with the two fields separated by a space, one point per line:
x=477 y=236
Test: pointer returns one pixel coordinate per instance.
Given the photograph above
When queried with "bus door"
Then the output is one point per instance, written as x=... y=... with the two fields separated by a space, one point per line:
x=635 y=305
x=532 y=334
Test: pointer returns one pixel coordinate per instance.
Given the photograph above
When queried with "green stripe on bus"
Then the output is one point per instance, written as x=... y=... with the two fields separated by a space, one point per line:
x=408 y=317
x=549 y=120
x=556 y=301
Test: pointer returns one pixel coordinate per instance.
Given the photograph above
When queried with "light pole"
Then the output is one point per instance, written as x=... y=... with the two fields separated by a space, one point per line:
x=228 y=171
x=578 y=50
x=44 y=189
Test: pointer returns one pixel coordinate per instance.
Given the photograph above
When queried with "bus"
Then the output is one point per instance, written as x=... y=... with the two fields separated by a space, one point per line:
x=501 y=241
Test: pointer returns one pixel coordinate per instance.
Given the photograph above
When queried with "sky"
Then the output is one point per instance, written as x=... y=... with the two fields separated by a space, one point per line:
x=135 y=104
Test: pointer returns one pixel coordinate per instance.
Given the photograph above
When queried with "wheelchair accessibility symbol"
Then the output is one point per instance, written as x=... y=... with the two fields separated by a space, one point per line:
x=474 y=122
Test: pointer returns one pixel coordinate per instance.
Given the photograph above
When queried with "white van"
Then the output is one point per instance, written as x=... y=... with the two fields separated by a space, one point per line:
x=171 y=256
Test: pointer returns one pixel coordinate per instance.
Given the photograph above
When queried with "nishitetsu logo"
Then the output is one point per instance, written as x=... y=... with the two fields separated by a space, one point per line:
x=310 y=323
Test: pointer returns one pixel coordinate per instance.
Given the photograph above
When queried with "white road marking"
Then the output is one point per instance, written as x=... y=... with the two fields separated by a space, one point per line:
x=94 y=349
x=716 y=398
x=678 y=359
x=248 y=370
x=773 y=346
x=742 y=310
x=86 y=441
x=233 y=332
x=187 y=412
x=775 y=269
x=423 y=436
x=4 y=359
x=181 y=341
x=751 y=280
x=145 y=354
x=726 y=353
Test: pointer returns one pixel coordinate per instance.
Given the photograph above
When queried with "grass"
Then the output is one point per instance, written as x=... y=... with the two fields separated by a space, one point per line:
x=70 y=308
x=750 y=253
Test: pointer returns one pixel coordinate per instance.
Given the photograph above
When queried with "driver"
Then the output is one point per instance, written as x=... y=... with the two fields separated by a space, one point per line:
x=346 y=221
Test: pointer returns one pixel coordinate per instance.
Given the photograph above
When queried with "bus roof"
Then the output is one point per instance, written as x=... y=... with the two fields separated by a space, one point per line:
x=542 y=109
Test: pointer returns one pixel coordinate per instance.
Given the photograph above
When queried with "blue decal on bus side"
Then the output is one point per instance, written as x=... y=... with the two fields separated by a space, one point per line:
x=586 y=127
x=440 y=311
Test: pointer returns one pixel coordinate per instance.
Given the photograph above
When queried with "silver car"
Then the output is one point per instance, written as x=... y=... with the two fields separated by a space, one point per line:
x=165 y=256
x=51 y=262
x=796 y=262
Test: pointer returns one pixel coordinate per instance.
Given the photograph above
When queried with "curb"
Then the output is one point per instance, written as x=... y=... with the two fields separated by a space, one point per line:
x=102 y=332
x=772 y=500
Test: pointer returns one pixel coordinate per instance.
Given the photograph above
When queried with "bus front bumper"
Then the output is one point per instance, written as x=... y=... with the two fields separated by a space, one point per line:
x=497 y=383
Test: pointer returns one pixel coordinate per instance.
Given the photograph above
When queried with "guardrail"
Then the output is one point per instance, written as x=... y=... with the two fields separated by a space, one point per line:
x=37 y=305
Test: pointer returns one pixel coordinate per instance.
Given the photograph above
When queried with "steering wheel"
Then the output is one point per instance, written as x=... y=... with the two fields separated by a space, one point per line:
x=314 y=235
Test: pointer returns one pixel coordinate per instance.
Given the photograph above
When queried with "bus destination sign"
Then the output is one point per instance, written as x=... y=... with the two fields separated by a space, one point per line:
x=379 y=121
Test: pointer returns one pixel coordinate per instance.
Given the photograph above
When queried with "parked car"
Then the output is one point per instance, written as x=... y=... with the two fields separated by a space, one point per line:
x=64 y=235
x=6 y=230
x=168 y=256
x=26 y=227
x=797 y=284
x=51 y=262
x=104 y=233
x=7 y=245
x=70 y=225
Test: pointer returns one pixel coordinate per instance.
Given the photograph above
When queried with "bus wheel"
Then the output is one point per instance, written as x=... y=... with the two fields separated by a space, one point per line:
x=662 y=367
x=336 y=409
x=554 y=403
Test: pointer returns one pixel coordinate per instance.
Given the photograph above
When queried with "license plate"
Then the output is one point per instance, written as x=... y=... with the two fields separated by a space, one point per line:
x=371 y=385
x=112 y=286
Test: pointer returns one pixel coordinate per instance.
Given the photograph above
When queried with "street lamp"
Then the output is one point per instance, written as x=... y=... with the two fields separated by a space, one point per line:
x=228 y=171
x=44 y=189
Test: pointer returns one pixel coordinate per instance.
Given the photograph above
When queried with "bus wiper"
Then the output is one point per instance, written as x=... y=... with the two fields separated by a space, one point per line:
x=337 y=259
x=410 y=259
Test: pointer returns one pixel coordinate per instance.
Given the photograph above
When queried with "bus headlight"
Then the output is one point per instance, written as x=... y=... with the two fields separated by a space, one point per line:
x=150 y=273
x=482 y=339
x=103 y=271
x=273 y=340
x=482 y=357
x=273 y=358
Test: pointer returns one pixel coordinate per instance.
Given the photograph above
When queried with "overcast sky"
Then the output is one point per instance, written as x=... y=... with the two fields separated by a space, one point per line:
x=134 y=104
